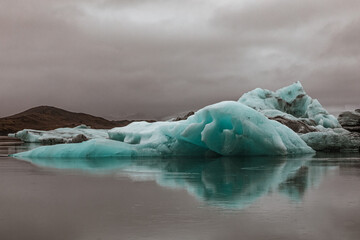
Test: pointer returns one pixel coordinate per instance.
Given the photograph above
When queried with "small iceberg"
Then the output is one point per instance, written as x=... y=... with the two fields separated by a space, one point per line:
x=61 y=135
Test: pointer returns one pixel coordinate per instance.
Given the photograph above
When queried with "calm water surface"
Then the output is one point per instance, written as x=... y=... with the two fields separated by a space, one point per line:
x=303 y=197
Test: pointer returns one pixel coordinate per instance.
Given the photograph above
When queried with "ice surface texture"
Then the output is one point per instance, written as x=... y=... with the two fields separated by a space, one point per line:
x=227 y=128
x=333 y=140
x=60 y=135
x=293 y=107
x=290 y=102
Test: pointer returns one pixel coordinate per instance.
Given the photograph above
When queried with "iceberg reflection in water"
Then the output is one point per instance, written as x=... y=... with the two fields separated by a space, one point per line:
x=223 y=182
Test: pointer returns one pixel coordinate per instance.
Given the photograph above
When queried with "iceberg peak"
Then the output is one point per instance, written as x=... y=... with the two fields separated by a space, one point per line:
x=289 y=102
x=291 y=92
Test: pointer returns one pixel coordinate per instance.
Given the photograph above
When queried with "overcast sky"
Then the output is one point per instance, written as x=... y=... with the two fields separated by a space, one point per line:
x=152 y=58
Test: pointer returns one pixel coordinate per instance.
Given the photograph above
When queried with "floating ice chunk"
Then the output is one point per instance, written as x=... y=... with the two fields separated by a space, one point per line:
x=226 y=128
x=60 y=135
x=333 y=140
x=290 y=102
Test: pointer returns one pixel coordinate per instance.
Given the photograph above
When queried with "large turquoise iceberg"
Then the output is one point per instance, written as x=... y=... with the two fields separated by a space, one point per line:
x=227 y=128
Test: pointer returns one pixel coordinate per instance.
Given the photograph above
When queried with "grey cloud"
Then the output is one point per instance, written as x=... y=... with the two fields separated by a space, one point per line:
x=279 y=14
x=345 y=41
x=57 y=53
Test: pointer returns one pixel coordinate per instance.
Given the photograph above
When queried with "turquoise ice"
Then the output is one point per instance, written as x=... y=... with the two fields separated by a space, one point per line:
x=227 y=128
x=290 y=102
x=293 y=103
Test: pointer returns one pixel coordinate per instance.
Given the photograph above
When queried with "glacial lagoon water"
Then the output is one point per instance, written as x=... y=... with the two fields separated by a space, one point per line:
x=314 y=196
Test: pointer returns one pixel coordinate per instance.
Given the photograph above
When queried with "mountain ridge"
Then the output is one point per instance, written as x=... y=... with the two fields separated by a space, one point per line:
x=50 y=117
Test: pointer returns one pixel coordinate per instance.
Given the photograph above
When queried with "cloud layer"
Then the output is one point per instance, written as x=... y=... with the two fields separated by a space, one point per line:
x=152 y=58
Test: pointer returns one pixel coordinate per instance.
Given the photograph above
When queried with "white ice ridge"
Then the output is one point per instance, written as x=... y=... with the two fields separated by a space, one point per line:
x=290 y=102
x=227 y=128
x=293 y=107
x=60 y=135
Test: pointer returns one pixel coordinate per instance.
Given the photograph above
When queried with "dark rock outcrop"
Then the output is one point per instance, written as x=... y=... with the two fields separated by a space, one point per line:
x=296 y=126
x=185 y=117
x=48 y=118
x=350 y=120
x=332 y=141
x=52 y=141
x=79 y=138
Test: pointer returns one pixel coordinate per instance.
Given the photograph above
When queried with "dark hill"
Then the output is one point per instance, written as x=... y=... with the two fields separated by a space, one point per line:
x=47 y=118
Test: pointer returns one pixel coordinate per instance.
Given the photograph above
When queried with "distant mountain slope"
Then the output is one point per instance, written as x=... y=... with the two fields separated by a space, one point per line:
x=47 y=118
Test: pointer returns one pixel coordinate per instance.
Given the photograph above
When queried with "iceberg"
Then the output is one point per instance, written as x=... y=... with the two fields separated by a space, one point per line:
x=61 y=135
x=261 y=122
x=292 y=107
x=291 y=103
x=227 y=128
x=333 y=140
